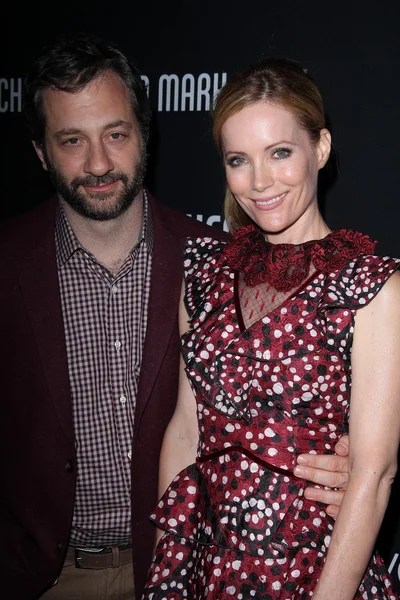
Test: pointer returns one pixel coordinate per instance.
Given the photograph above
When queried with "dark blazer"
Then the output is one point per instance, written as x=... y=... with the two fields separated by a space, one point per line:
x=37 y=453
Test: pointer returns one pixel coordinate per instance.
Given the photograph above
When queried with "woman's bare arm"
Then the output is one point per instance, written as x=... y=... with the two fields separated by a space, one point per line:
x=180 y=441
x=374 y=423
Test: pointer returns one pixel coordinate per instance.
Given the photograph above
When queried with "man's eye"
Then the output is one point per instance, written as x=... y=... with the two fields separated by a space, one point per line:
x=71 y=142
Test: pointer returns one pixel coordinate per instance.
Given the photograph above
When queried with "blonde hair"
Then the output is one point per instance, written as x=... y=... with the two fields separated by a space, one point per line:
x=279 y=81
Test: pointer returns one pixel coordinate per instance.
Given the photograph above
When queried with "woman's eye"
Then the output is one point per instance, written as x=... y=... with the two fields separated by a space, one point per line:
x=280 y=153
x=235 y=161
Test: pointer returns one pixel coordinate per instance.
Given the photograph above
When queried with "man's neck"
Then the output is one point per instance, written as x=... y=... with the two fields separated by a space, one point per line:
x=109 y=241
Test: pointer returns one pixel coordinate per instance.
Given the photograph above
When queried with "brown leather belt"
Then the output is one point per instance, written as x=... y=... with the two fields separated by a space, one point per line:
x=106 y=558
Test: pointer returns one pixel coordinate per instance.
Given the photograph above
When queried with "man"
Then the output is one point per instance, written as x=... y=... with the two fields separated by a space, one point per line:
x=88 y=305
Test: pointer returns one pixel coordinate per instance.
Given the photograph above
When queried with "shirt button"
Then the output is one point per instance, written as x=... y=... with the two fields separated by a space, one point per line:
x=117 y=345
x=69 y=466
x=114 y=289
x=122 y=399
x=130 y=454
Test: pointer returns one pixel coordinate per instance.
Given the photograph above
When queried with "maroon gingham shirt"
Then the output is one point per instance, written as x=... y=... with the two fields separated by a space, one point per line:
x=105 y=319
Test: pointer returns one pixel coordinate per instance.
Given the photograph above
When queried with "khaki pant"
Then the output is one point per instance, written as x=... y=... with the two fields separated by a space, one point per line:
x=93 y=584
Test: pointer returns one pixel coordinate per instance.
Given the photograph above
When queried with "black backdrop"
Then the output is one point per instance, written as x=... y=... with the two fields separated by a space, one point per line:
x=185 y=50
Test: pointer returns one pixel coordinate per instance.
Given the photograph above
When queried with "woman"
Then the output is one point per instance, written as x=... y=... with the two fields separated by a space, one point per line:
x=283 y=329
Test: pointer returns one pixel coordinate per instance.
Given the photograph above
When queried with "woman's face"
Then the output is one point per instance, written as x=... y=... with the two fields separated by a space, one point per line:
x=272 y=168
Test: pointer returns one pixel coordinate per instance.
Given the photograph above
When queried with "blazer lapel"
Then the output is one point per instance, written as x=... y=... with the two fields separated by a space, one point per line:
x=39 y=284
x=166 y=282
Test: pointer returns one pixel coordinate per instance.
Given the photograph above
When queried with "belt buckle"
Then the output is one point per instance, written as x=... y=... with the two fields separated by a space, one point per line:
x=78 y=558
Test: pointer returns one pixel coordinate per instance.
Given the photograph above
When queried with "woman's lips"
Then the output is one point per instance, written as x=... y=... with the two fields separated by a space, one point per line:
x=269 y=203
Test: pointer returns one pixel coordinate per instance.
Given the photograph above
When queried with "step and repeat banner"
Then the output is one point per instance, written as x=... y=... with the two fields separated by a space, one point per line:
x=186 y=51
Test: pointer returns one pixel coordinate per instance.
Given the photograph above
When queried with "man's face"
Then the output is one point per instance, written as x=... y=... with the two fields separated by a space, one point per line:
x=93 y=148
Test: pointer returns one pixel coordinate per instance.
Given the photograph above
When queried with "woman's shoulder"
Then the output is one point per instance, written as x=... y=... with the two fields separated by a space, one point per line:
x=361 y=279
x=203 y=265
x=202 y=253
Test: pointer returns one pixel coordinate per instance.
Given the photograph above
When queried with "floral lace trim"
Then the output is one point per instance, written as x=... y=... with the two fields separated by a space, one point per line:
x=285 y=266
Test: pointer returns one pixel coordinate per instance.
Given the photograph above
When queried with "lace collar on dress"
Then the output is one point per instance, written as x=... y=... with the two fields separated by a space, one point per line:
x=286 y=266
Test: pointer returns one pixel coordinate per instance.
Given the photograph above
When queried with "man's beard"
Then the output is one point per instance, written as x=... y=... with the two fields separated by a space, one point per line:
x=103 y=210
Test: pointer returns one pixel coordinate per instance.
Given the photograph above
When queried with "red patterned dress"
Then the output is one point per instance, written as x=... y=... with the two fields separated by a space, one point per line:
x=268 y=358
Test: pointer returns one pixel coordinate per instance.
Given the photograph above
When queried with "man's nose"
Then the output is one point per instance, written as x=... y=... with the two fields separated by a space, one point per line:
x=98 y=161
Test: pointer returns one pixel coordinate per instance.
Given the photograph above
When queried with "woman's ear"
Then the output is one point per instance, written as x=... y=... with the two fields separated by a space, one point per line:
x=323 y=147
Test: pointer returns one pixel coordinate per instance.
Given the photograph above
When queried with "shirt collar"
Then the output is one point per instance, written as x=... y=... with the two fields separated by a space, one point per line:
x=67 y=243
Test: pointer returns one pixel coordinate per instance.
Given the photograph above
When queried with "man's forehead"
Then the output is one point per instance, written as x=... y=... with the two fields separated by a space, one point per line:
x=105 y=84
x=104 y=100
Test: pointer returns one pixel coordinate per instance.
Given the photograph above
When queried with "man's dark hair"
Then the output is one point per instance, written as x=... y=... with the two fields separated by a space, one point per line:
x=69 y=64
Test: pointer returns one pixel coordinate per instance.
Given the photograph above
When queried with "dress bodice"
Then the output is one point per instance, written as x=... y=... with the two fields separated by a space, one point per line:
x=290 y=369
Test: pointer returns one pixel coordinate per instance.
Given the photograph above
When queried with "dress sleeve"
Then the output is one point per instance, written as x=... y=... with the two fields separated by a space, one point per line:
x=358 y=282
x=201 y=261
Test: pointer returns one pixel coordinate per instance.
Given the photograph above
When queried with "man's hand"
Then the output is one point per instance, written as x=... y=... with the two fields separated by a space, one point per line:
x=327 y=470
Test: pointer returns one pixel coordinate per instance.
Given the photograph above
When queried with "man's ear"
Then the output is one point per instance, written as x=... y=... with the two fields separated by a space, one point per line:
x=40 y=153
x=323 y=147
